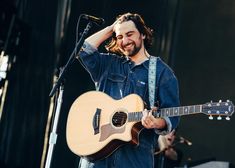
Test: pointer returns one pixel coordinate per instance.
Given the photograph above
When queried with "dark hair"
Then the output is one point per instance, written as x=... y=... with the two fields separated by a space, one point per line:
x=141 y=27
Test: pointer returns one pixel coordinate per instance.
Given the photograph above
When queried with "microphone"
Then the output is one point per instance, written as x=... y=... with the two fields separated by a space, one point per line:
x=98 y=21
x=185 y=141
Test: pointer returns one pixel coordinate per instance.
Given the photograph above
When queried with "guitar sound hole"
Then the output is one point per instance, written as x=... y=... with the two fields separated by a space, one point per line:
x=119 y=119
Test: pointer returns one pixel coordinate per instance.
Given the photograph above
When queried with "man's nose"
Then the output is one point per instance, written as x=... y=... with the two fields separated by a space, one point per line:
x=125 y=40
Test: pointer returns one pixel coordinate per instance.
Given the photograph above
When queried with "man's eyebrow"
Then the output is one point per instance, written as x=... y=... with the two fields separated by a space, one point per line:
x=132 y=31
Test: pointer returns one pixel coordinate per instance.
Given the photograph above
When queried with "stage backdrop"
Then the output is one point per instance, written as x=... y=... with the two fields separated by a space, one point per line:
x=194 y=37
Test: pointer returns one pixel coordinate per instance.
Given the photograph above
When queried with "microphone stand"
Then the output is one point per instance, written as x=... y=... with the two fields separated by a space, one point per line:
x=60 y=84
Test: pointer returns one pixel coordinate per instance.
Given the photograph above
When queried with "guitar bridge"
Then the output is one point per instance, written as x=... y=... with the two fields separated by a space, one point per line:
x=96 y=121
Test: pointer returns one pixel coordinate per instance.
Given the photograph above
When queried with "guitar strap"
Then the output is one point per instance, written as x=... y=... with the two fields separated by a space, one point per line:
x=152 y=79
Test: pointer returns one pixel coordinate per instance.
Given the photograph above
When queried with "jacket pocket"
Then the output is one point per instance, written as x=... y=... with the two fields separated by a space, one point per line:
x=141 y=88
x=116 y=77
x=115 y=85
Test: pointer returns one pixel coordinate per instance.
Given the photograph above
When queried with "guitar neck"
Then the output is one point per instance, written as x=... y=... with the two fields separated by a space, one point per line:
x=179 y=111
x=168 y=112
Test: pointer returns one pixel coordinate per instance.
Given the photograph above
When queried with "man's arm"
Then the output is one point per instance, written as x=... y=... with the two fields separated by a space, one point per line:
x=99 y=37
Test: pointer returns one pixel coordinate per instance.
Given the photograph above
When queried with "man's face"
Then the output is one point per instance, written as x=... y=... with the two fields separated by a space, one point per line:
x=129 y=39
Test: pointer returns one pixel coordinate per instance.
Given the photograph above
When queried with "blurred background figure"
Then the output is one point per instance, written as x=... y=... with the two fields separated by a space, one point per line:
x=167 y=155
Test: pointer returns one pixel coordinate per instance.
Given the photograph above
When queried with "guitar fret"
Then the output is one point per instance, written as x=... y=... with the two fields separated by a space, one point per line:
x=181 y=109
x=168 y=111
x=139 y=116
x=191 y=109
x=171 y=111
x=176 y=111
x=186 y=110
x=130 y=116
x=198 y=108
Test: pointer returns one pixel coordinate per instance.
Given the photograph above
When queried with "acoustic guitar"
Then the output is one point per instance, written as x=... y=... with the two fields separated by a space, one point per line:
x=97 y=124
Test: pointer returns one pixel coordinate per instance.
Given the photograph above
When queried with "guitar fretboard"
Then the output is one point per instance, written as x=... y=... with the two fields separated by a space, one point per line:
x=179 y=111
x=168 y=112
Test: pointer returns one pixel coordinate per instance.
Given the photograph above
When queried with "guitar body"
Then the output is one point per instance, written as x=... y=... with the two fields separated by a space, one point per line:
x=97 y=124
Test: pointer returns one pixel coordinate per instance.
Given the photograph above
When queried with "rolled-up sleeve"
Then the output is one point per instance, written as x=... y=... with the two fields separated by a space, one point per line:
x=168 y=95
x=88 y=48
x=168 y=127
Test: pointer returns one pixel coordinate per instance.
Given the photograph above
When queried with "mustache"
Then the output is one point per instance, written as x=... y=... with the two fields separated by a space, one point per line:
x=130 y=43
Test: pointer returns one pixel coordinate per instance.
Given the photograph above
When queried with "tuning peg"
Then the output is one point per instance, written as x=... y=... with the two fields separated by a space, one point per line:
x=227 y=118
x=210 y=117
x=219 y=118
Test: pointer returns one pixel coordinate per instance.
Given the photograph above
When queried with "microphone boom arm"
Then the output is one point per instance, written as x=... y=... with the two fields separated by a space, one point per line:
x=71 y=59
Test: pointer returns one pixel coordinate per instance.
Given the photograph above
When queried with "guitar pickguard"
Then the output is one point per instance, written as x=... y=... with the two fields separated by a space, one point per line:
x=108 y=129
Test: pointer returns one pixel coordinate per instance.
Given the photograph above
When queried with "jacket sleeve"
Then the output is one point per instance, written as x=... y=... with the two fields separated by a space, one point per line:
x=168 y=96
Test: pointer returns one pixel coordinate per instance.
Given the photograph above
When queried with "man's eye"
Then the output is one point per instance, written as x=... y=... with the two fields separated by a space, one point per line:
x=119 y=37
x=129 y=35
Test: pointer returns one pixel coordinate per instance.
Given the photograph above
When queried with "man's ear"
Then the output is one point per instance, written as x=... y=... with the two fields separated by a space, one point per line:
x=143 y=36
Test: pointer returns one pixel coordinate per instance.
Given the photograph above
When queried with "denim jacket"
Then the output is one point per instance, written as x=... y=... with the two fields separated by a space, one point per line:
x=118 y=77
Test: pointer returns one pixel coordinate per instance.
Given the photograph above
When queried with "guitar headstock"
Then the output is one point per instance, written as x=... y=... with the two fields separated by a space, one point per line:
x=218 y=109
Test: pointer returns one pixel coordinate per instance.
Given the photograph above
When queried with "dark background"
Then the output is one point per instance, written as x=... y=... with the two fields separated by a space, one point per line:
x=196 y=38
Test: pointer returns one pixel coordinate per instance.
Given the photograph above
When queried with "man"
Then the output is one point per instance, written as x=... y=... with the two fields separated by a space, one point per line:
x=168 y=156
x=122 y=71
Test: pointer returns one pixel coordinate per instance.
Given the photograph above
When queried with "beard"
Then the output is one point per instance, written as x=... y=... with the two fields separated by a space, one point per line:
x=132 y=51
